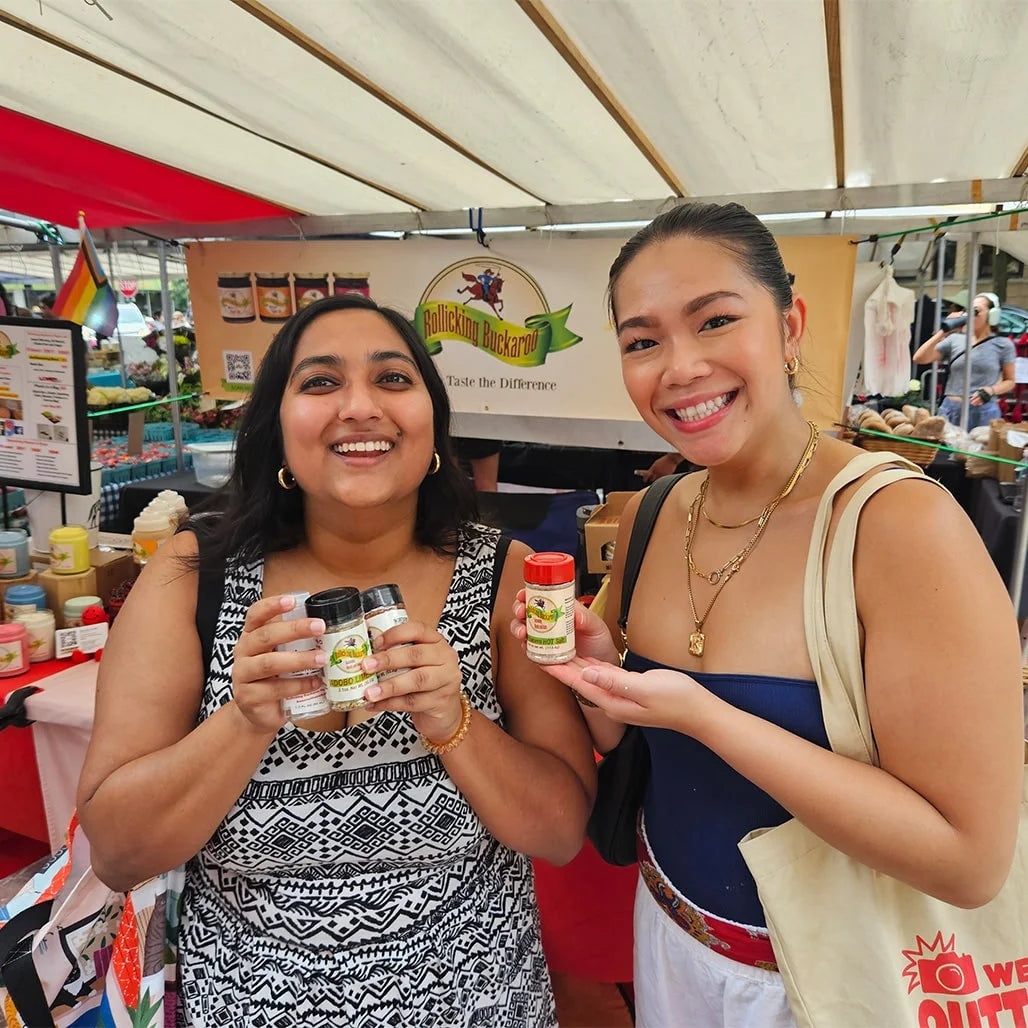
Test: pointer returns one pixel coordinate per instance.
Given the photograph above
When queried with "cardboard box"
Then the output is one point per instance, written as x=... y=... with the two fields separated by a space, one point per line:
x=600 y=532
x=1011 y=445
x=59 y=588
x=112 y=567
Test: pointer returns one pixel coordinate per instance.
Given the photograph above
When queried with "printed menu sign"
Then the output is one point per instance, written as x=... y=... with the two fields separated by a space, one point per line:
x=44 y=442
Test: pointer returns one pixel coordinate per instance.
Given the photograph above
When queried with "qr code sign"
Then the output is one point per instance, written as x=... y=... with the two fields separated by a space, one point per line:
x=238 y=366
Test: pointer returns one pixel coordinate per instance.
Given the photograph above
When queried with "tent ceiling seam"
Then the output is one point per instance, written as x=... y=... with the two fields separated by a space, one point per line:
x=1022 y=165
x=337 y=64
x=46 y=37
x=833 y=44
x=548 y=26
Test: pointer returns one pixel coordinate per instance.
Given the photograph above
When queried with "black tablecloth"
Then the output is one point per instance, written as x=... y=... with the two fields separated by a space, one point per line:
x=135 y=496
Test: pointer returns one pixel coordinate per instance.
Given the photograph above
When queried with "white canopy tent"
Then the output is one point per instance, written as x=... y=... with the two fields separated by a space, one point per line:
x=400 y=114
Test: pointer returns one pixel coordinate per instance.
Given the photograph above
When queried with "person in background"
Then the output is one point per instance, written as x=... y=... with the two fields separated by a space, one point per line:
x=482 y=457
x=368 y=867
x=709 y=332
x=46 y=305
x=992 y=364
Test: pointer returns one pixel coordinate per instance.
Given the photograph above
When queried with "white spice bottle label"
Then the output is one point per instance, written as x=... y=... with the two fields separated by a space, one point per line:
x=345 y=679
x=308 y=704
x=550 y=621
x=379 y=624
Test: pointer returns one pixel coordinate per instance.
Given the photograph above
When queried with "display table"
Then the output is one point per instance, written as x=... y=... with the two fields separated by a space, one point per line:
x=40 y=765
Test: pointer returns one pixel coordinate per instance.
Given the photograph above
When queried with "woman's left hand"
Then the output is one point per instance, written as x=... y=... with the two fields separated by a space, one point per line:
x=657 y=699
x=430 y=683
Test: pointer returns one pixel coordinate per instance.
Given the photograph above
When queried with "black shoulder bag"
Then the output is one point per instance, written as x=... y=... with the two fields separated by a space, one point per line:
x=624 y=773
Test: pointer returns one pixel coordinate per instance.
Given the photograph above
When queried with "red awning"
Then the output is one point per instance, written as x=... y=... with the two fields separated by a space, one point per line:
x=51 y=174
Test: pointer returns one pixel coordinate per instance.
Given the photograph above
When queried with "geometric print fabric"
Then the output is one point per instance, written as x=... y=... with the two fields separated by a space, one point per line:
x=351 y=883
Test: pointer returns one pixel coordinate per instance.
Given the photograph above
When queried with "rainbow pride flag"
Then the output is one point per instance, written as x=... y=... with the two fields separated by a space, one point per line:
x=86 y=296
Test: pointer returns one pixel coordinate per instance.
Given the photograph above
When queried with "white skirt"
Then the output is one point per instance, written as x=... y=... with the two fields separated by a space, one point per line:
x=680 y=983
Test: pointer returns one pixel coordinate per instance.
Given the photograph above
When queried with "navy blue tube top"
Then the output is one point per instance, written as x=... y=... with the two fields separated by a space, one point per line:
x=698 y=808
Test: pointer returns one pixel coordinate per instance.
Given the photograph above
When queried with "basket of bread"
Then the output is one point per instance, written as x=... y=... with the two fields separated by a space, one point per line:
x=912 y=433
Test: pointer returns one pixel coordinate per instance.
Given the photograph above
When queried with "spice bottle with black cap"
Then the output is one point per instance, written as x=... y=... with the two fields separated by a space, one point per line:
x=345 y=643
x=383 y=609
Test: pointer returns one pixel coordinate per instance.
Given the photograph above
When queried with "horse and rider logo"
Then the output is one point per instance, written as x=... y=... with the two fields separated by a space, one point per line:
x=485 y=287
x=466 y=302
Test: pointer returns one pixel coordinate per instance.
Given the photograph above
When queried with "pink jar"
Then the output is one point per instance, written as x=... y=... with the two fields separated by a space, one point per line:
x=14 y=650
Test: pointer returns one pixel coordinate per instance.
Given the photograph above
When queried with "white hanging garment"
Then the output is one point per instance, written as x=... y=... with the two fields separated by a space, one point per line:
x=888 y=314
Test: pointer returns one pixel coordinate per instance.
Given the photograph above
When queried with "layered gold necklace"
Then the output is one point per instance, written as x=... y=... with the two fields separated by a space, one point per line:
x=720 y=577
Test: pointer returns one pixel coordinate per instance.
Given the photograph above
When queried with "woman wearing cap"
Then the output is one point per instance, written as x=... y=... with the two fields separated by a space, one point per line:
x=992 y=364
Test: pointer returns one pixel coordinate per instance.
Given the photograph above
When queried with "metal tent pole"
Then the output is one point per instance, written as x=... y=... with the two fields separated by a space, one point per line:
x=117 y=325
x=55 y=260
x=972 y=290
x=1020 y=551
x=940 y=270
x=169 y=348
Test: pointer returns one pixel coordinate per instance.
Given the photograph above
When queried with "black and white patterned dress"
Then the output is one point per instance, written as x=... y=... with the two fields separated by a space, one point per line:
x=352 y=884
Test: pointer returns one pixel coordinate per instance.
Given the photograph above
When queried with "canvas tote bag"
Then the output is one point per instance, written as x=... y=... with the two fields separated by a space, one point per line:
x=857 y=948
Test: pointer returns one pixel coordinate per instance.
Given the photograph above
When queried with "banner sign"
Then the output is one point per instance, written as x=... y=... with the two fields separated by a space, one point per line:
x=519 y=328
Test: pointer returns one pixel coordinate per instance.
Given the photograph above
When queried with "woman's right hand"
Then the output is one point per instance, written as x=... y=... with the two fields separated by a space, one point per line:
x=592 y=637
x=257 y=686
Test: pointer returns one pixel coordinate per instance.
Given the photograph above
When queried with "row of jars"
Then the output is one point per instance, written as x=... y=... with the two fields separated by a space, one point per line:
x=279 y=294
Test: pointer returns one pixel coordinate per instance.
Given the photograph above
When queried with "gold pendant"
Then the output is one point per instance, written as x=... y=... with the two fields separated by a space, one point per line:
x=696 y=643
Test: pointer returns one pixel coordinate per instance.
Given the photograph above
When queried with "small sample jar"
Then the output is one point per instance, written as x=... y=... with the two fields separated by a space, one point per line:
x=309 y=288
x=274 y=302
x=346 y=644
x=74 y=607
x=40 y=626
x=350 y=283
x=235 y=297
x=14 y=554
x=14 y=650
x=550 y=603
x=23 y=599
x=383 y=609
x=308 y=704
x=69 y=550
x=149 y=530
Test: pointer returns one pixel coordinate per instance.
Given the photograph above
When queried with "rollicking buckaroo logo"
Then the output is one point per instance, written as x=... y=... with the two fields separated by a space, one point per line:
x=472 y=301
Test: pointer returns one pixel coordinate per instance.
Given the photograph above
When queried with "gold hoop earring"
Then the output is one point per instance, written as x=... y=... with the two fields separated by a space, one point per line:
x=436 y=463
x=793 y=365
x=285 y=478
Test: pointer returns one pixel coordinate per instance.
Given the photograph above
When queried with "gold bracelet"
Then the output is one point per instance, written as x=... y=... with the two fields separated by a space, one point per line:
x=439 y=748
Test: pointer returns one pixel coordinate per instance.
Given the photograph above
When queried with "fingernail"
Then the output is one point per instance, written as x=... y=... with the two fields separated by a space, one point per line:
x=318 y=627
x=370 y=664
x=320 y=657
x=373 y=692
x=591 y=675
x=287 y=601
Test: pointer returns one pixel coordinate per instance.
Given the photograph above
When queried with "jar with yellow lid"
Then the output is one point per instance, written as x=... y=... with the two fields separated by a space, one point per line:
x=69 y=550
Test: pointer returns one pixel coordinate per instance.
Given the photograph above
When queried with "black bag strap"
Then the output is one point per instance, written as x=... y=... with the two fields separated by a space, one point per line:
x=210 y=591
x=642 y=529
x=17 y=970
x=499 y=559
x=12 y=713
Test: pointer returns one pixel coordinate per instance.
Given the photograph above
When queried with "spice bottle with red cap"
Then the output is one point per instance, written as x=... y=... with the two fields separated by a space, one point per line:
x=550 y=607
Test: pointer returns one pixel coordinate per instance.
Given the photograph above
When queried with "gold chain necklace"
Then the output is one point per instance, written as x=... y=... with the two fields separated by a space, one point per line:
x=723 y=575
x=808 y=455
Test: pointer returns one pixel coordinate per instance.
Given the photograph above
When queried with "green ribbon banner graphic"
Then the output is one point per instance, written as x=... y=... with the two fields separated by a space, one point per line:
x=522 y=346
